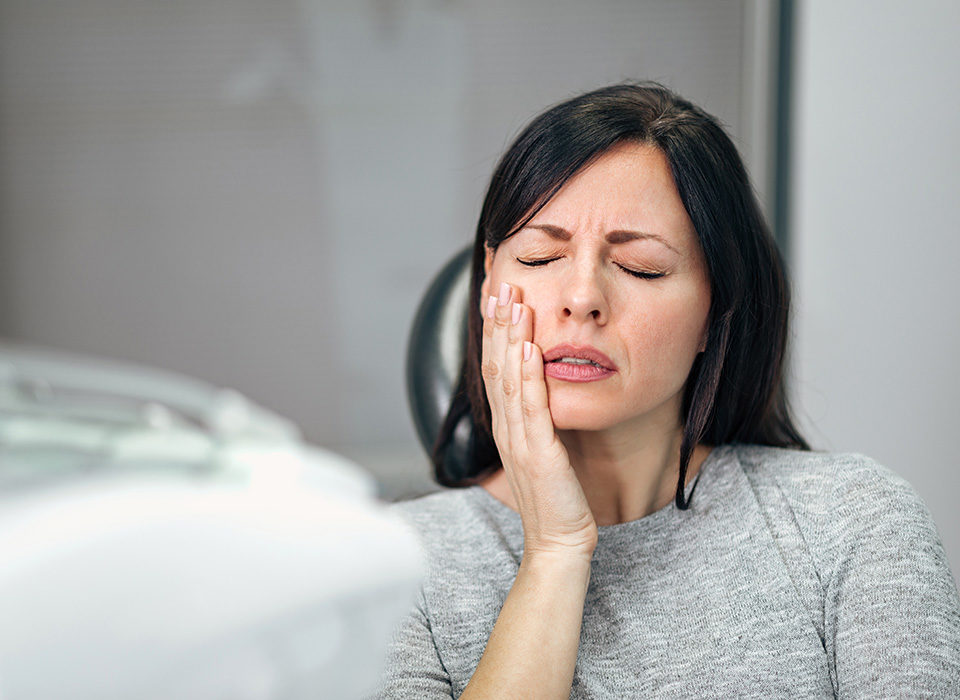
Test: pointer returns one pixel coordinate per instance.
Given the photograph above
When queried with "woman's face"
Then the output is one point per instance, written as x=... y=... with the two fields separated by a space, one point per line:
x=621 y=214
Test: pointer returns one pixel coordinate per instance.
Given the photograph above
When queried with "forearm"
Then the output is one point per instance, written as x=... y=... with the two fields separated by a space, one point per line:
x=532 y=650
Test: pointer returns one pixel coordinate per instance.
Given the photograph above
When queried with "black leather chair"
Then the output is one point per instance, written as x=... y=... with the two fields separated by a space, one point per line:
x=435 y=357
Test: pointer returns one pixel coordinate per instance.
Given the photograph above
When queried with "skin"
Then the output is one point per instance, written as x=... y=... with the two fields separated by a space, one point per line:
x=578 y=455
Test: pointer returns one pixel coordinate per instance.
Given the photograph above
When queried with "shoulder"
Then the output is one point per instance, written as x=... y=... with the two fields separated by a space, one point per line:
x=450 y=521
x=803 y=465
x=887 y=597
x=442 y=510
x=826 y=480
x=424 y=509
x=838 y=500
x=471 y=544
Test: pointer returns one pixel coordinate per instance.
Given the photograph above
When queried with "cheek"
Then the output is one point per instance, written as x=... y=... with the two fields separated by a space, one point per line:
x=669 y=333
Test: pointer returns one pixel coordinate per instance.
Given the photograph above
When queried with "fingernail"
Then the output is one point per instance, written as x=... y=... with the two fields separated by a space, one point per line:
x=527 y=349
x=491 y=306
x=517 y=310
x=504 y=293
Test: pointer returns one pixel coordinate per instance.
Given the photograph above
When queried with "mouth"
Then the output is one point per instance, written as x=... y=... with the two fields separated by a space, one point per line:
x=578 y=356
x=571 y=363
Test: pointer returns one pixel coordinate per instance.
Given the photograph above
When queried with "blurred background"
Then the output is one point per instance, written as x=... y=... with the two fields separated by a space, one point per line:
x=257 y=193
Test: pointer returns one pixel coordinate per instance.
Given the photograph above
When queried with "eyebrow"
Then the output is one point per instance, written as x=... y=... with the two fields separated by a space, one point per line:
x=613 y=237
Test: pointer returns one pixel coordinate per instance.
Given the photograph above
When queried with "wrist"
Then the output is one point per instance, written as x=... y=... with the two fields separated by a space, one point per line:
x=565 y=560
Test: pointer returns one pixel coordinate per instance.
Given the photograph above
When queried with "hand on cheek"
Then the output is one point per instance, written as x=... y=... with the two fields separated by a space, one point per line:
x=554 y=510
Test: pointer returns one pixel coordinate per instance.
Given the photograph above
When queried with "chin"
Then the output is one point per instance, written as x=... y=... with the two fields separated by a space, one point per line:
x=580 y=415
x=578 y=410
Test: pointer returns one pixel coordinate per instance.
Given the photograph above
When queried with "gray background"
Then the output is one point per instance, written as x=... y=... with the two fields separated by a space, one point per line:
x=257 y=193
x=875 y=241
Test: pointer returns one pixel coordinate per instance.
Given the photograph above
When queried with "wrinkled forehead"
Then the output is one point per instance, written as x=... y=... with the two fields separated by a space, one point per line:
x=630 y=189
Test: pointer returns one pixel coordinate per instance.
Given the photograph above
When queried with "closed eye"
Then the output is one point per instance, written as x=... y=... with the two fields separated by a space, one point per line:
x=634 y=273
x=536 y=263
x=641 y=275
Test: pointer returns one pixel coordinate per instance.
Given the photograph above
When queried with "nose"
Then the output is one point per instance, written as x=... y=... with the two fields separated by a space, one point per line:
x=583 y=296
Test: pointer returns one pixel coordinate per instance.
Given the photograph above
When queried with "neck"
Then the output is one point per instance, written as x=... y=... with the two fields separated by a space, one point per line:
x=627 y=472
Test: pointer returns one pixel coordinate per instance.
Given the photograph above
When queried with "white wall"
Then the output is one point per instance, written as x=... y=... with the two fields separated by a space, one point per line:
x=876 y=239
x=257 y=193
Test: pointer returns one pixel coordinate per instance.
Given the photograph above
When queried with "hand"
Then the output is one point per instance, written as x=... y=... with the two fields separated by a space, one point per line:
x=553 y=508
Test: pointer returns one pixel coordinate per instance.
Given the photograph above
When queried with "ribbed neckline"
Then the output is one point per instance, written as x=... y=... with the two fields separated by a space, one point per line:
x=651 y=521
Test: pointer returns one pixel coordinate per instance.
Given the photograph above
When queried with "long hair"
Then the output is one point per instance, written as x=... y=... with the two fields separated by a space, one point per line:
x=735 y=390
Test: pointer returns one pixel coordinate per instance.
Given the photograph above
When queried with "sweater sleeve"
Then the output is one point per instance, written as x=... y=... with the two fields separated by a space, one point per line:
x=891 y=608
x=414 y=668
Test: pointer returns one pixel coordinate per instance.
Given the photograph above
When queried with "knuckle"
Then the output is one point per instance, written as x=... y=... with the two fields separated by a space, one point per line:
x=490 y=369
x=529 y=409
x=509 y=388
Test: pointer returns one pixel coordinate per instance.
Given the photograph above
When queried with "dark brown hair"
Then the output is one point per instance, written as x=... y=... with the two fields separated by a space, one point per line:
x=735 y=390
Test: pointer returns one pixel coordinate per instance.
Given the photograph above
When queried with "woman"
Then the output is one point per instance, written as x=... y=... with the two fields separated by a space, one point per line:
x=626 y=349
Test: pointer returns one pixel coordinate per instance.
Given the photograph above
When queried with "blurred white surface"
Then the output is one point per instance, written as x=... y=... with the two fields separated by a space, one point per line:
x=186 y=557
x=162 y=588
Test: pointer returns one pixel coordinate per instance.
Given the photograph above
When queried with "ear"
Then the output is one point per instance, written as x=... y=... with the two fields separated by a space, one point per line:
x=485 y=285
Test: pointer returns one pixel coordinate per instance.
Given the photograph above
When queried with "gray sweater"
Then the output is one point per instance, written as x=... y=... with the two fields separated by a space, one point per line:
x=793 y=574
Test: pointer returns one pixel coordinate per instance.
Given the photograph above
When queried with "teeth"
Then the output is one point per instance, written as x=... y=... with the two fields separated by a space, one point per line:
x=577 y=361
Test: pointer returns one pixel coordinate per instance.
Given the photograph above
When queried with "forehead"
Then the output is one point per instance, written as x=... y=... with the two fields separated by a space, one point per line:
x=629 y=187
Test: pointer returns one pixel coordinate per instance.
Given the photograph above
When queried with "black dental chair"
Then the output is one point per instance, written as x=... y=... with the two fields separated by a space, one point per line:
x=434 y=358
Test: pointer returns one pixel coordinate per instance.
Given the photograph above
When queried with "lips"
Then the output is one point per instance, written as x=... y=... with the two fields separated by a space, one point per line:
x=581 y=352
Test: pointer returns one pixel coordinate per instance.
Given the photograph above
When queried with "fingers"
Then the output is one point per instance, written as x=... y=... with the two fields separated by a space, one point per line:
x=513 y=375
x=493 y=361
x=518 y=332
x=535 y=408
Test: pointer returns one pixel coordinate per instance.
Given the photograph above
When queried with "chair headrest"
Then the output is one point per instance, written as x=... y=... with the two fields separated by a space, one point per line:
x=436 y=347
